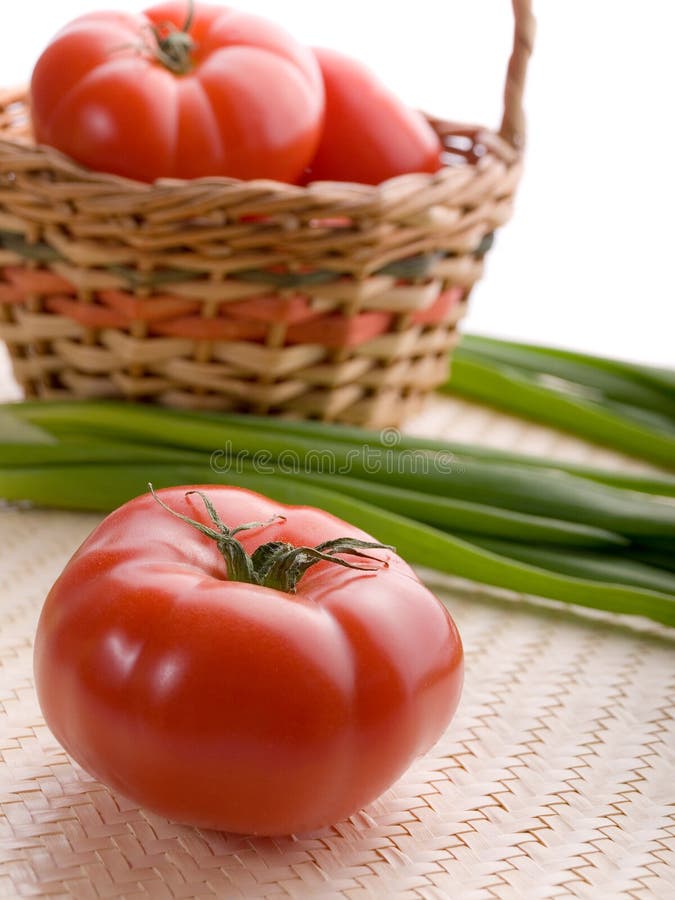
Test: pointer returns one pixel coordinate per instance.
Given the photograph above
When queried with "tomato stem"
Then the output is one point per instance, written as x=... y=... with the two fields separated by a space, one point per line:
x=174 y=46
x=276 y=564
x=190 y=15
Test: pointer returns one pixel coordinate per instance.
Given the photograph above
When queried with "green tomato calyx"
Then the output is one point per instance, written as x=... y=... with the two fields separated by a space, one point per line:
x=276 y=564
x=173 y=46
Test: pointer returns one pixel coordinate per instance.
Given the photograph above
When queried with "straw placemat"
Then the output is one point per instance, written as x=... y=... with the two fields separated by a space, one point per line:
x=556 y=778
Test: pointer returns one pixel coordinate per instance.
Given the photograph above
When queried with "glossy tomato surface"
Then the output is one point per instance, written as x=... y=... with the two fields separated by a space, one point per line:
x=232 y=705
x=369 y=135
x=250 y=103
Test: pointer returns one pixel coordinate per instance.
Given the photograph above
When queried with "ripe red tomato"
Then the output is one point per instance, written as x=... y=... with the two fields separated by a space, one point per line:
x=234 y=705
x=369 y=135
x=136 y=95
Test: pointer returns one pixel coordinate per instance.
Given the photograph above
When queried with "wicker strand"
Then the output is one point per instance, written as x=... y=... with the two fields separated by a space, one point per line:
x=512 y=128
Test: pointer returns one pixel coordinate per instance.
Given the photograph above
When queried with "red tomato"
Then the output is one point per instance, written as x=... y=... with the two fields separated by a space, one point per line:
x=369 y=135
x=234 y=95
x=234 y=705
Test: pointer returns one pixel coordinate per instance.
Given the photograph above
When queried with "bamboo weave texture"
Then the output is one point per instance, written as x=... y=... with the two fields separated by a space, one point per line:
x=555 y=780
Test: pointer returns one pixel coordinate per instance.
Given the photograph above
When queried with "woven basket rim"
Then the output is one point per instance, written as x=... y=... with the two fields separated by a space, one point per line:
x=493 y=144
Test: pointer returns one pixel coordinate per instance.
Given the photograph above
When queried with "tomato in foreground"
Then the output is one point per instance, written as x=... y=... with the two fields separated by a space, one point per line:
x=271 y=707
x=369 y=134
x=180 y=91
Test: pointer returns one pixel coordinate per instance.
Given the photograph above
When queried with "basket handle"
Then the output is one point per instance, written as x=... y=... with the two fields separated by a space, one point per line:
x=512 y=128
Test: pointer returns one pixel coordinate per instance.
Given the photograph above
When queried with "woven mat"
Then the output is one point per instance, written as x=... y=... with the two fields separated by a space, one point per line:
x=556 y=778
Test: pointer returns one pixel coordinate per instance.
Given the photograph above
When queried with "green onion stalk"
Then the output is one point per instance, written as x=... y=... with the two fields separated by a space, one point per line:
x=625 y=406
x=574 y=534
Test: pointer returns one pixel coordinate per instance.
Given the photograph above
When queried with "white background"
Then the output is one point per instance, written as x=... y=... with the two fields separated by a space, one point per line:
x=588 y=260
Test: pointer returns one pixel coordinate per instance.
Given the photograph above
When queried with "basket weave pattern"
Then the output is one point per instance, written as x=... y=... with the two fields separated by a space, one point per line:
x=335 y=301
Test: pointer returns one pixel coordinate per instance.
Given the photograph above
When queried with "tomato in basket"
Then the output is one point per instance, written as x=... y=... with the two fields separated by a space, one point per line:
x=184 y=90
x=231 y=662
x=369 y=134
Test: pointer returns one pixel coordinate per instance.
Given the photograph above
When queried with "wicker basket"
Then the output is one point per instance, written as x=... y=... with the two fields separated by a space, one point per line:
x=336 y=301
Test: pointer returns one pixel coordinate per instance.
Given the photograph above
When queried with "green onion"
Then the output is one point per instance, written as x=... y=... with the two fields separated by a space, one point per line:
x=662 y=558
x=105 y=486
x=626 y=384
x=465 y=516
x=584 y=563
x=627 y=407
x=496 y=518
x=520 y=488
x=317 y=433
x=474 y=518
x=660 y=483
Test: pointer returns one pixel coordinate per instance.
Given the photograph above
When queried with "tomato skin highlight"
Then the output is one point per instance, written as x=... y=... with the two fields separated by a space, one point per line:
x=231 y=705
x=250 y=105
x=369 y=135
